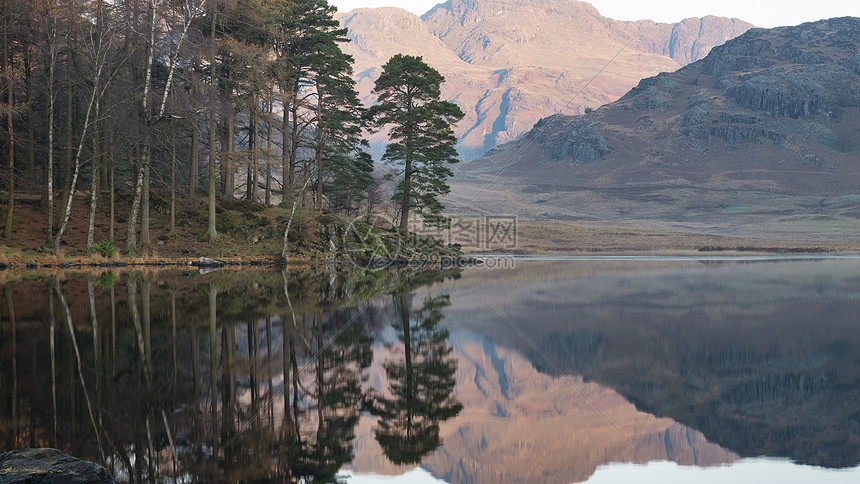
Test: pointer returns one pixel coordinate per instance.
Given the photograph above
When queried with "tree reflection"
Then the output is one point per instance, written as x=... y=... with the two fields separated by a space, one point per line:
x=304 y=430
x=217 y=378
x=421 y=385
x=338 y=377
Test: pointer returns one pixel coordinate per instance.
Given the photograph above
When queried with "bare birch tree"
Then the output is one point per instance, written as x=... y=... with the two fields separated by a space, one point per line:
x=50 y=16
x=190 y=11
x=100 y=51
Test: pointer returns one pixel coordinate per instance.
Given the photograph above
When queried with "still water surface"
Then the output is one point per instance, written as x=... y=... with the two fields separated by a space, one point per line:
x=604 y=370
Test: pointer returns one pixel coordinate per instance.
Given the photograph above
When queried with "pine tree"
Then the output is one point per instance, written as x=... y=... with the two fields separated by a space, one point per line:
x=306 y=38
x=343 y=170
x=408 y=92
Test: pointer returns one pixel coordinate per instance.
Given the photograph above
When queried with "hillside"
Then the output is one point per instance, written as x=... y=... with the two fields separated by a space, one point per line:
x=757 y=138
x=509 y=63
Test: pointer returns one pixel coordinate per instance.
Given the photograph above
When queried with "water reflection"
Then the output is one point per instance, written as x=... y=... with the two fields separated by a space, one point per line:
x=762 y=358
x=302 y=375
x=420 y=391
x=226 y=377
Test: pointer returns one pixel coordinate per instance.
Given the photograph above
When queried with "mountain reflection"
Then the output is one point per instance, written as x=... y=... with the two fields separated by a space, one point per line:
x=763 y=359
x=226 y=377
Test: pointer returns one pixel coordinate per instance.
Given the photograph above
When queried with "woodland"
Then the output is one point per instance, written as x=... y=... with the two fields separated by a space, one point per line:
x=202 y=102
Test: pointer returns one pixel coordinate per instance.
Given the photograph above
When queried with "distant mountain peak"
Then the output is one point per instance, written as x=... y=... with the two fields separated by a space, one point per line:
x=508 y=63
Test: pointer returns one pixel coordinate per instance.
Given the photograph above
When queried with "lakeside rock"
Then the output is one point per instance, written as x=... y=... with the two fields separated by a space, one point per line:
x=49 y=466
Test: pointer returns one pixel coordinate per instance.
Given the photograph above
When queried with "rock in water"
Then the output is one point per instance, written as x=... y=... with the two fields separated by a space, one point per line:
x=49 y=466
x=209 y=262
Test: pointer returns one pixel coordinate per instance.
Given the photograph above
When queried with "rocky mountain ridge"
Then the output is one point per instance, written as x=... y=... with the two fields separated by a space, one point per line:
x=509 y=63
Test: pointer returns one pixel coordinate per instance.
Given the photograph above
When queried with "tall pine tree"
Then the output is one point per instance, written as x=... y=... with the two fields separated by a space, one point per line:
x=423 y=140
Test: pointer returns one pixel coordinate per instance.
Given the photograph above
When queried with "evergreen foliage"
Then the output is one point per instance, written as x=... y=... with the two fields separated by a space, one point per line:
x=421 y=132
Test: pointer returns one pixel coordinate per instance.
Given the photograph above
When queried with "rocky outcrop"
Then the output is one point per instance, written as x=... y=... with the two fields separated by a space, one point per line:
x=577 y=140
x=652 y=94
x=780 y=95
x=771 y=112
x=756 y=89
x=688 y=40
x=49 y=466
x=738 y=55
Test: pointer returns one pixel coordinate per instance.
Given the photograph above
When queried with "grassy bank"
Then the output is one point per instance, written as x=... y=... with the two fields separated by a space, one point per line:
x=248 y=233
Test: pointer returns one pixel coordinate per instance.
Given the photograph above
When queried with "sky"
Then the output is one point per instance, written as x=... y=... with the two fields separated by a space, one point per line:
x=762 y=13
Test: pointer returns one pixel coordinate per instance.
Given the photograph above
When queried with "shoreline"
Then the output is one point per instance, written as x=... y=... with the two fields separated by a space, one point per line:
x=203 y=263
x=443 y=261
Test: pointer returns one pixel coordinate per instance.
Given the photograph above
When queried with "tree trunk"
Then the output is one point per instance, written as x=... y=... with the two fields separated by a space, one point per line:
x=49 y=113
x=286 y=245
x=94 y=191
x=320 y=146
x=213 y=234
x=104 y=186
x=67 y=169
x=172 y=179
x=251 y=175
x=112 y=189
x=195 y=157
x=140 y=191
x=230 y=182
x=294 y=134
x=286 y=172
x=31 y=131
x=404 y=205
x=407 y=177
x=145 y=240
x=7 y=231
x=131 y=227
x=95 y=96
x=268 y=198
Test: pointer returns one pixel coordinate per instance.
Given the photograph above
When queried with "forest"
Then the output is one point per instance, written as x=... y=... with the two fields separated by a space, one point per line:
x=201 y=102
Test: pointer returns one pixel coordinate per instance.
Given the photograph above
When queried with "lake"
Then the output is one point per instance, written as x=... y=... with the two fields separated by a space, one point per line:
x=589 y=369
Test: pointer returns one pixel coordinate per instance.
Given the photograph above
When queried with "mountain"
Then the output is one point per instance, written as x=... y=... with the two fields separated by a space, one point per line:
x=688 y=40
x=759 y=137
x=509 y=63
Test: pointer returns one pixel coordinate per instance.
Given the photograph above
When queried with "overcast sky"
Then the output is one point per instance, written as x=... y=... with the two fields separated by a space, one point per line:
x=762 y=13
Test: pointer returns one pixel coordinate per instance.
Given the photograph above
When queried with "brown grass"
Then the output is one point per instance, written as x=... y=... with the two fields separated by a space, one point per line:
x=536 y=237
